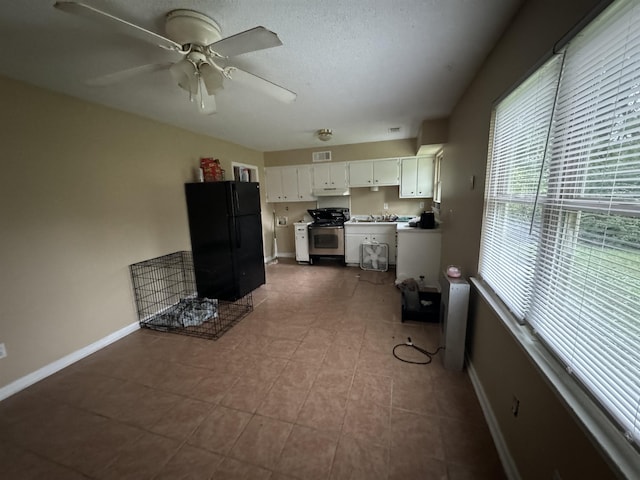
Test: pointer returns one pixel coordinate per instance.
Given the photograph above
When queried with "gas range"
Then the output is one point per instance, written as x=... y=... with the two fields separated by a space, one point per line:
x=326 y=233
x=329 y=217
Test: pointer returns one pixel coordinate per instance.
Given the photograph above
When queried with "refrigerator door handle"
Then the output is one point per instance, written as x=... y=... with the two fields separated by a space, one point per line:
x=236 y=199
x=237 y=232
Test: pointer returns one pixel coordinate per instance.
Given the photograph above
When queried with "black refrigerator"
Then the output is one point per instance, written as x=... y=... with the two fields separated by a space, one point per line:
x=226 y=238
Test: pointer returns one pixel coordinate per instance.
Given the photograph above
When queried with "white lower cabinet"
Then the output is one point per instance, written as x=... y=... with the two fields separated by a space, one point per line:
x=302 y=241
x=356 y=235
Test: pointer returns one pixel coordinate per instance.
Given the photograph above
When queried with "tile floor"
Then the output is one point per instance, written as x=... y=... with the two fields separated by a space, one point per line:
x=305 y=387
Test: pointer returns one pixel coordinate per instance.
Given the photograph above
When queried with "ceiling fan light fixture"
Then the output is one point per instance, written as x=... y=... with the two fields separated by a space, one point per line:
x=211 y=78
x=184 y=72
x=324 y=134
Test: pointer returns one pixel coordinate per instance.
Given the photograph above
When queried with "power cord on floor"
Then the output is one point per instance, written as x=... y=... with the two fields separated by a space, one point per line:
x=409 y=343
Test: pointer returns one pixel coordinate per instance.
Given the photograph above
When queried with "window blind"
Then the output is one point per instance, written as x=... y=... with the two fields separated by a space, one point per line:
x=586 y=303
x=561 y=229
x=520 y=128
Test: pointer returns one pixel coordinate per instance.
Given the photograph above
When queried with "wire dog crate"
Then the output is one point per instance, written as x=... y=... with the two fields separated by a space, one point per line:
x=166 y=298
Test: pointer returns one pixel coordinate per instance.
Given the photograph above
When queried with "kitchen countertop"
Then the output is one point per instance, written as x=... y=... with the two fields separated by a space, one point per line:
x=364 y=223
x=400 y=226
x=404 y=227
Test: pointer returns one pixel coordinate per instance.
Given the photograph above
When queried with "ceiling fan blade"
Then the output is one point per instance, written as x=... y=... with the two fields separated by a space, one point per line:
x=262 y=85
x=116 y=77
x=257 y=38
x=122 y=26
x=211 y=77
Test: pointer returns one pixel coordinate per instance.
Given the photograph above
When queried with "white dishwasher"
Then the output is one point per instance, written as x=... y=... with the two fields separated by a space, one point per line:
x=302 y=241
x=418 y=254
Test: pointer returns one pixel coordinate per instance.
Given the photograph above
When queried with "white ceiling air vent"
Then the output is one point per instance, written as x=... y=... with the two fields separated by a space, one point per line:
x=321 y=156
x=394 y=130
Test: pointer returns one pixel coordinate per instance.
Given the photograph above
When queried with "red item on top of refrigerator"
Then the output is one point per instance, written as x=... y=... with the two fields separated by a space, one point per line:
x=211 y=169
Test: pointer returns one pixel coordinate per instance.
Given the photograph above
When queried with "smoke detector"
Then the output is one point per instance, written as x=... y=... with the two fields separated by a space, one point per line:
x=324 y=134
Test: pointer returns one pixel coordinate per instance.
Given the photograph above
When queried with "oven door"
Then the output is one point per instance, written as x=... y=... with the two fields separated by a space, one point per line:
x=326 y=240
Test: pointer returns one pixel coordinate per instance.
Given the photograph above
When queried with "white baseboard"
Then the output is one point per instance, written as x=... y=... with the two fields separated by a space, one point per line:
x=501 y=445
x=42 y=373
x=280 y=255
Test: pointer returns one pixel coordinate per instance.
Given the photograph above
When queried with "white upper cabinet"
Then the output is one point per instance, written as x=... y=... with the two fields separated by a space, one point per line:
x=305 y=185
x=273 y=180
x=361 y=174
x=416 y=177
x=386 y=172
x=330 y=175
x=369 y=173
x=289 y=177
x=289 y=184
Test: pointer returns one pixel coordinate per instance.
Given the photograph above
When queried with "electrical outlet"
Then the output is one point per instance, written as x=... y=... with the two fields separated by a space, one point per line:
x=515 y=406
x=385 y=206
x=421 y=205
x=3 y=350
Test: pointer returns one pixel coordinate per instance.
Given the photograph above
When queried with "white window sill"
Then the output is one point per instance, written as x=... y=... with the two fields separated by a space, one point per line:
x=620 y=453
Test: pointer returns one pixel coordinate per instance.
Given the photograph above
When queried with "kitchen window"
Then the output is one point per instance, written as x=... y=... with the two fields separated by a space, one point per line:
x=561 y=228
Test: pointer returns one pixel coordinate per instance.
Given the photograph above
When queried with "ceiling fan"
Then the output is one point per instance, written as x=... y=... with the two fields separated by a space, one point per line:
x=195 y=36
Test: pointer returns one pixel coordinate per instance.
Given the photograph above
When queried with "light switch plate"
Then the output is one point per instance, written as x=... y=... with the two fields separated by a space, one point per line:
x=3 y=350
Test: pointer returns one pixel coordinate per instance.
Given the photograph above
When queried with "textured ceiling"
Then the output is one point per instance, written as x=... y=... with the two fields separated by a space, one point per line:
x=359 y=67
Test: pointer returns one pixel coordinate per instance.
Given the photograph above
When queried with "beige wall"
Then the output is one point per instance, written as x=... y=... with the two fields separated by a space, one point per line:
x=544 y=436
x=343 y=153
x=85 y=192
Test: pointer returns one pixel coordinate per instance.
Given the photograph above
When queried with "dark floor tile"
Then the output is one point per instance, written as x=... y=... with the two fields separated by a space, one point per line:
x=231 y=469
x=18 y=464
x=220 y=430
x=283 y=402
x=262 y=441
x=356 y=459
x=308 y=454
x=368 y=421
x=247 y=394
x=141 y=460
x=132 y=403
x=323 y=411
x=190 y=463
x=183 y=419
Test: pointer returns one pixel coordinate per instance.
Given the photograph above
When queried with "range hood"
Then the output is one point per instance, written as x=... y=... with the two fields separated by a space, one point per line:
x=330 y=192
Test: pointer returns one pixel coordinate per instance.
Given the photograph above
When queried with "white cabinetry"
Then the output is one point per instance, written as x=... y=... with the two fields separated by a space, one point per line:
x=331 y=175
x=357 y=234
x=369 y=173
x=386 y=172
x=305 y=185
x=361 y=174
x=416 y=177
x=302 y=241
x=288 y=184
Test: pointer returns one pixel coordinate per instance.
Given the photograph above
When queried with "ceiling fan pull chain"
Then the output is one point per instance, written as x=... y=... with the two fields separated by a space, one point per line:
x=201 y=89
